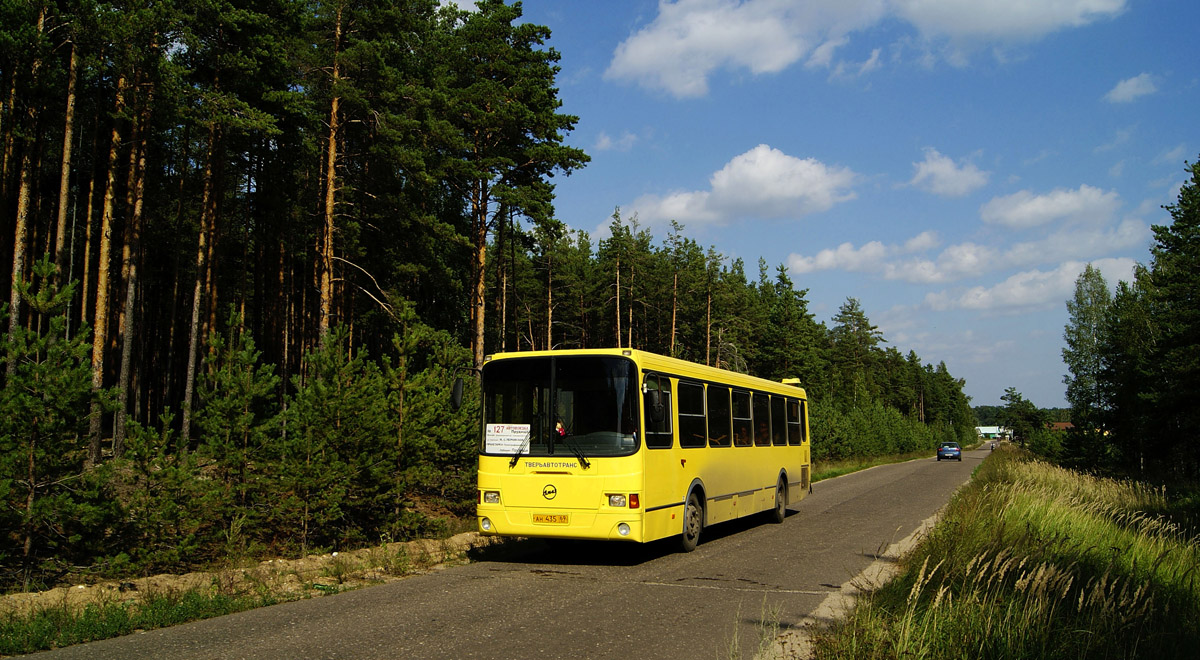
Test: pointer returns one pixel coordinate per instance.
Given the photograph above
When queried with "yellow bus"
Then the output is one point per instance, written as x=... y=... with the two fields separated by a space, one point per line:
x=628 y=445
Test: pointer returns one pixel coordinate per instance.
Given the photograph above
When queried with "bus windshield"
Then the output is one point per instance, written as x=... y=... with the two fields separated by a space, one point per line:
x=548 y=406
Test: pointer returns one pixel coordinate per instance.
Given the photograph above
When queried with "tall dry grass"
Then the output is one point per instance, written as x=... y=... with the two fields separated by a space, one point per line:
x=1034 y=561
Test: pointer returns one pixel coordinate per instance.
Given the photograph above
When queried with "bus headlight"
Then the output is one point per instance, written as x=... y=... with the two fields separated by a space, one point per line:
x=485 y=524
x=623 y=529
x=616 y=501
x=491 y=497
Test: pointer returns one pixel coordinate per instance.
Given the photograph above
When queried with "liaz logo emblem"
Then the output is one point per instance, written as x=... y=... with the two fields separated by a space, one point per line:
x=549 y=491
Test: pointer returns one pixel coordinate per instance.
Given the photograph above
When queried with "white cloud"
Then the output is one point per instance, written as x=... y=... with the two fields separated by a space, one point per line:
x=965 y=260
x=867 y=258
x=1023 y=209
x=690 y=39
x=761 y=183
x=1080 y=244
x=1029 y=289
x=1002 y=20
x=1173 y=156
x=955 y=262
x=845 y=257
x=926 y=240
x=939 y=175
x=1132 y=88
x=605 y=142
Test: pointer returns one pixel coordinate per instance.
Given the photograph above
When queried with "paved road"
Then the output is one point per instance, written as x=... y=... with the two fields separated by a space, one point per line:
x=590 y=600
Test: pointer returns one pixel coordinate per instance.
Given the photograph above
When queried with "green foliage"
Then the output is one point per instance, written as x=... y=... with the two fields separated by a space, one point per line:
x=53 y=512
x=238 y=419
x=1083 y=336
x=173 y=516
x=335 y=459
x=1031 y=560
x=59 y=627
x=1021 y=417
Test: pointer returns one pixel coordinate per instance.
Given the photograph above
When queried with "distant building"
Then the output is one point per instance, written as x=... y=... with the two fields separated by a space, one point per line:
x=993 y=432
x=1059 y=426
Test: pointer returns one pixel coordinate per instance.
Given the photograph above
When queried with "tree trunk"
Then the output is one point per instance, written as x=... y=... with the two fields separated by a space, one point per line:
x=208 y=205
x=618 y=302
x=100 y=332
x=132 y=252
x=21 y=233
x=87 y=235
x=708 y=327
x=331 y=152
x=549 y=301
x=64 y=180
x=478 y=285
x=674 y=308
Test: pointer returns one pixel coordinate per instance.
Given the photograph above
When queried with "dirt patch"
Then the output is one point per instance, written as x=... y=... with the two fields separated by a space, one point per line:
x=280 y=579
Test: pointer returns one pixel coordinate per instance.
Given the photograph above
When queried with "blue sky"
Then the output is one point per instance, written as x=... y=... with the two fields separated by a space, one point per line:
x=953 y=164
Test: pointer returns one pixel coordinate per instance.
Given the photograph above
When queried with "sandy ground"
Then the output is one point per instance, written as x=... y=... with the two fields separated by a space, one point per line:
x=283 y=579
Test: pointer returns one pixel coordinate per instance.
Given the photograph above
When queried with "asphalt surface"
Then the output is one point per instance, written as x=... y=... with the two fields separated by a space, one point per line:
x=591 y=600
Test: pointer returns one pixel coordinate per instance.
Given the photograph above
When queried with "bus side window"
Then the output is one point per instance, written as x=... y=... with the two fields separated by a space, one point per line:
x=778 y=426
x=804 y=421
x=742 y=424
x=795 y=431
x=658 y=435
x=718 y=416
x=692 y=431
x=762 y=420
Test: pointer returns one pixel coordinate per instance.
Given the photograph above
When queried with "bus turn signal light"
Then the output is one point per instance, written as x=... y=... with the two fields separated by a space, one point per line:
x=633 y=501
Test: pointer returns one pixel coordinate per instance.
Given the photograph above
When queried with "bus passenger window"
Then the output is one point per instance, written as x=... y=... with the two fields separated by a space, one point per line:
x=691 y=415
x=742 y=425
x=658 y=435
x=762 y=420
x=778 y=427
x=718 y=416
x=795 y=434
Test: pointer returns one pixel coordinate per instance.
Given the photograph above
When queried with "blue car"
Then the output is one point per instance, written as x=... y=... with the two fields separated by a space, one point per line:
x=949 y=451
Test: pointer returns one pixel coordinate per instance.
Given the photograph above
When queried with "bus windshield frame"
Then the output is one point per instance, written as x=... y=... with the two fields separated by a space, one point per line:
x=595 y=400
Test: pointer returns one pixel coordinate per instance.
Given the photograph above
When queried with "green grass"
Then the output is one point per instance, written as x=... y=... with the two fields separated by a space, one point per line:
x=1034 y=561
x=57 y=627
x=829 y=469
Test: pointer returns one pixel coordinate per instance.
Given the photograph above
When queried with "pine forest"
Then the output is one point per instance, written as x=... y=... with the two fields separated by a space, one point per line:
x=253 y=243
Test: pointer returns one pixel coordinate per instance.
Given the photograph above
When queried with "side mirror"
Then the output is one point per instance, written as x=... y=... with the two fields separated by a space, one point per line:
x=655 y=408
x=456 y=394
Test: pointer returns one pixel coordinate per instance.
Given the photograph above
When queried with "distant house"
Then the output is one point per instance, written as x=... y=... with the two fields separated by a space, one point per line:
x=993 y=432
x=1059 y=426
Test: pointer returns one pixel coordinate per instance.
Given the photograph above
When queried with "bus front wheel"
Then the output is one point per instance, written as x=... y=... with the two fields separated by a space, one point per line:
x=693 y=521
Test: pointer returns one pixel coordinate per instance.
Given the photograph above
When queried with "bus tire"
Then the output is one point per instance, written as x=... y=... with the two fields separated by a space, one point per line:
x=693 y=522
x=779 y=513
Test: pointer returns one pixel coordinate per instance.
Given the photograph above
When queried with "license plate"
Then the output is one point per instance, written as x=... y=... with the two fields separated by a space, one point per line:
x=551 y=519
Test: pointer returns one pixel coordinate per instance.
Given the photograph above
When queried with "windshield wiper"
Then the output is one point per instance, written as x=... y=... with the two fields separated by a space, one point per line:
x=520 y=450
x=583 y=461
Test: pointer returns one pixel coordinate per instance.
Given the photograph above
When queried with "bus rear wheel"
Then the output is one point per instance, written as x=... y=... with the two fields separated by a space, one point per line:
x=693 y=521
x=779 y=513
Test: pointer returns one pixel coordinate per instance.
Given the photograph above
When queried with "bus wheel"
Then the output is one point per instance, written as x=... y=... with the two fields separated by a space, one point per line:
x=780 y=511
x=692 y=522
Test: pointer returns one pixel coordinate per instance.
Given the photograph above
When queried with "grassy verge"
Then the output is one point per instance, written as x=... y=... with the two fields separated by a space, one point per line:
x=1034 y=561
x=85 y=614
x=830 y=469
x=61 y=626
